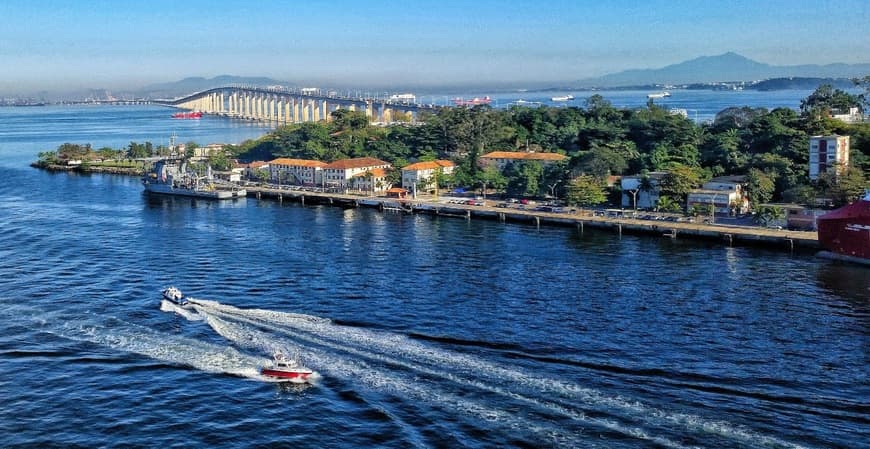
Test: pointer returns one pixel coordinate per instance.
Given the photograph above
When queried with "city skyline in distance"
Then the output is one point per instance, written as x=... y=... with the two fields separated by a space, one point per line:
x=48 y=46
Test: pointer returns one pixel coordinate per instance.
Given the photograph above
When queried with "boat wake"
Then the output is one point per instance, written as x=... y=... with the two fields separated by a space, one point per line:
x=132 y=338
x=395 y=364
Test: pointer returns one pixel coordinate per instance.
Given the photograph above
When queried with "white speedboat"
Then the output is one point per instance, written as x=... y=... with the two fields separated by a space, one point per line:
x=174 y=295
x=287 y=370
x=658 y=95
x=562 y=98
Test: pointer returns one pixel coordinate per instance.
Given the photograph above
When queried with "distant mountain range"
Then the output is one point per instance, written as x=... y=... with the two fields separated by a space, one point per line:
x=725 y=67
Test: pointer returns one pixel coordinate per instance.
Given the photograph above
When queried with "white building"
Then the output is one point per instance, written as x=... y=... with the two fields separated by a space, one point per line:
x=373 y=181
x=296 y=171
x=853 y=116
x=725 y=194
x=421 y=175
x=501 y=159
x=827 y=152
x=339 y=173
x=632 y=188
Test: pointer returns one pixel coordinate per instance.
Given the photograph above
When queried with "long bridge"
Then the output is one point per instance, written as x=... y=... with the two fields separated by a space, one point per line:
x=291 y=105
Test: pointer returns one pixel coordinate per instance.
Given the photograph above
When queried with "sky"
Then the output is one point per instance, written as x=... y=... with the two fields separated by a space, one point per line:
x=55 y=45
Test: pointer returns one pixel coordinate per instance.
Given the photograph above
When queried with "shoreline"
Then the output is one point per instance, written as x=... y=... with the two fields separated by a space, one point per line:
x=726 y=235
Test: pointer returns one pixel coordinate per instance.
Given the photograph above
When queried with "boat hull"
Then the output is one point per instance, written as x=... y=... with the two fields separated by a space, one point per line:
x=165 y=189
x=846 y=231
x=299 y=376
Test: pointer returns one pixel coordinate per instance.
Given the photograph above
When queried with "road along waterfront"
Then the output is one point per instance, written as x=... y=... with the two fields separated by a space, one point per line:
x=580 y=219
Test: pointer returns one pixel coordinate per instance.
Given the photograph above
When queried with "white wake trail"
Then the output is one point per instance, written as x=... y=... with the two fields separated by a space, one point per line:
x=449 y=365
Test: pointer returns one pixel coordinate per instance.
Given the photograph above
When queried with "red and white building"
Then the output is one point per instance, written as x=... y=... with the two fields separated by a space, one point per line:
x=421 y=175
x=828 y=153
x=340 y=173
x=296 y=171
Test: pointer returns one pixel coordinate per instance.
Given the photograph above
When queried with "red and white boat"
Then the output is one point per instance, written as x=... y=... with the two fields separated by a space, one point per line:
x=472 y=102
x=845 y=232
x=188 y=115
x=287 y=370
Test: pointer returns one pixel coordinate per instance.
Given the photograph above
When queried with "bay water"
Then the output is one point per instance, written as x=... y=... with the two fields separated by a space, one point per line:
x=425 y=332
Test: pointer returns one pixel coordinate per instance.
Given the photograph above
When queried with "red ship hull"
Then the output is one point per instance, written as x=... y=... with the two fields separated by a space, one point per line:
x=292 y=376
x=472 y=102
x=846 y=231
x=189 y=115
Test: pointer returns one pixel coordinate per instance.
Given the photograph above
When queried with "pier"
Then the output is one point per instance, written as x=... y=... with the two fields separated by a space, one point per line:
x=581 y=220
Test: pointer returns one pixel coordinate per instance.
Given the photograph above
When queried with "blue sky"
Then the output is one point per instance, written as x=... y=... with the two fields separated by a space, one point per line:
x=52 y=45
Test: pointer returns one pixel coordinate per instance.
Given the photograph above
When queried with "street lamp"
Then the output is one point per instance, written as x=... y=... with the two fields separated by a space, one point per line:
x=483 y=185
x=553 y=188
x=713 y=208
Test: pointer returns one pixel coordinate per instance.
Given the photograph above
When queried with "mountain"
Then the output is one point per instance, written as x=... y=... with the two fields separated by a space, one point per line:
x=725 y=67
x=189 y=85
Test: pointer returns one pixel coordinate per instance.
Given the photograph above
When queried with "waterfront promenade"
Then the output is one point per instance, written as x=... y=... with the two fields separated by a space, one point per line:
x=581 y=219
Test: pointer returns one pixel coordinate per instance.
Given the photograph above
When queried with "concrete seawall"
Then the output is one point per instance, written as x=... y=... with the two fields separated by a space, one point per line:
x=581 y=220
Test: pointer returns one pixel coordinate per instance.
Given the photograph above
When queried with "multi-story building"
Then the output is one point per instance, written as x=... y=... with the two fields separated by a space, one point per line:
x=827 y=153
x=502 y=159
x=339 y=173
x=296 y=171
x=373 y=181
x=421 y=175
x=725 y=194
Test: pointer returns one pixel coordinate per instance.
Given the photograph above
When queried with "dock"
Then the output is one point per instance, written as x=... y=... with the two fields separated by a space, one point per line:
x=581 y=219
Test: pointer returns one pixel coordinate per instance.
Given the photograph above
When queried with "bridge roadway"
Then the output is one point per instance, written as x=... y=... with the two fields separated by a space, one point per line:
x=731 y=235
x=285 y=105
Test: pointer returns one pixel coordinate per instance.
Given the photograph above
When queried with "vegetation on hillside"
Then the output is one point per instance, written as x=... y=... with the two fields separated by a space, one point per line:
x=770 y=147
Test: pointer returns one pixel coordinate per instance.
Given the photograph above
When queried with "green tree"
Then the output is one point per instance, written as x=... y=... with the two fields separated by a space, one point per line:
x=826 y=100
x=760 y=187
x=679 y=181
x=767 y=214
x=219 y=161
x=586 y=191
x=845 y=187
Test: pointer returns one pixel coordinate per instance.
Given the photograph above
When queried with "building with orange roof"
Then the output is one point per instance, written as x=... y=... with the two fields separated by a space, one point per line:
x=373 y=181
x=502 y=159
x=421 y=175
x=339 y=174
x=296 y=171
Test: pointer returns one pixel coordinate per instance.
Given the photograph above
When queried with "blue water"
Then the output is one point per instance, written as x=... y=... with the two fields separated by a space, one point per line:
x=700 y=105
x=426 y=332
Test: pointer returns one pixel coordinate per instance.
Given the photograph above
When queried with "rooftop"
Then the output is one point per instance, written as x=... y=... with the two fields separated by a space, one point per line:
x=360 y=162
x=298 y=162
x=429 y=165
x=522 y=155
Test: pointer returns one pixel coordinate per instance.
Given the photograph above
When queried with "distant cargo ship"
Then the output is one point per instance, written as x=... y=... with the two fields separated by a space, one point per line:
x=472 y=102
x=188 y=115
x=845 y=232
x=403 y=98
x=563 y=98
x=658 y=95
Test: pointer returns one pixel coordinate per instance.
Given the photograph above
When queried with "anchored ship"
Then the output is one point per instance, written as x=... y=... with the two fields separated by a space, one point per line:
x=472 y=102
x=845 y=232
x=171 y=176
x=659 y=95
x=188 y=115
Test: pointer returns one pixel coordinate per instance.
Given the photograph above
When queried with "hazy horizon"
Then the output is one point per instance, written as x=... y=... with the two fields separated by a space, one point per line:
x=54 y=46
